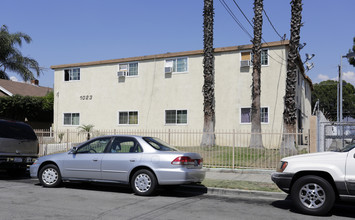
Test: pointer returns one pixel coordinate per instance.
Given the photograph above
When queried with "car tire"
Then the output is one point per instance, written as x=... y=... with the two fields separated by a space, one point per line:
x=144 y=182
x=49 y=176
x=313 y=195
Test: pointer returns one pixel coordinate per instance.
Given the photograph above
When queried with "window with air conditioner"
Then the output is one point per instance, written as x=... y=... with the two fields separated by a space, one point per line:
x=246 y=58
x=128 y=69
x=176 y=65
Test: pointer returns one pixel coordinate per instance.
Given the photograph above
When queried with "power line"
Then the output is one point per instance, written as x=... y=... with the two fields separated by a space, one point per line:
x=243 y=14
x=282 y=38
x=225 y=5
x=235 y=18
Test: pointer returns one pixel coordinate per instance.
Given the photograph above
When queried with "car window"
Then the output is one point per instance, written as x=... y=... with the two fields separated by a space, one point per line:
x=95 y=146
x=158 y=144
x=16 y=130
x=125 y=145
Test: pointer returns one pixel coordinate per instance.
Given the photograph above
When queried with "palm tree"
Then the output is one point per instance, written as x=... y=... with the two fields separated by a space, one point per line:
x=256 y=137
x=208 y=138
x=11 y=58
x=86 y=129
x=289 y=115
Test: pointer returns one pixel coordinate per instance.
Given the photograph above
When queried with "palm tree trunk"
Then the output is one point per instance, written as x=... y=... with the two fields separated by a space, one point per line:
x=289 y=115
x=208 y=137
x=256 y=136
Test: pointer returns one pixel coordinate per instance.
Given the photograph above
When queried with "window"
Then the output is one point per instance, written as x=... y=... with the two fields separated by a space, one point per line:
x=130 y=68
x=72 y=74
x=125 y=145
x=264 y=56
x=95 y=146
x=178 y=65
x=246 y=115
x=176 y=117
x=71 y=118
x=128 y=118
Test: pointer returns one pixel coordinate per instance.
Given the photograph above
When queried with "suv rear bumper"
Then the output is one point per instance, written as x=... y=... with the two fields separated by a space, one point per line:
x=282 y=180
x=16 y=162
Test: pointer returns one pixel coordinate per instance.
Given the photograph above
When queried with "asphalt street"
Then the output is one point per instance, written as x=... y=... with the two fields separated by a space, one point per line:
x=25 y=198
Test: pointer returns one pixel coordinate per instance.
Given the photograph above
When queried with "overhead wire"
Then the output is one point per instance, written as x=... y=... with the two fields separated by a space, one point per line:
x=235 y=18
x=246 y=18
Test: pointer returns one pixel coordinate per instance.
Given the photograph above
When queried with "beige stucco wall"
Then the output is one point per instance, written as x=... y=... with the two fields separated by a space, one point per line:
x=152 y=92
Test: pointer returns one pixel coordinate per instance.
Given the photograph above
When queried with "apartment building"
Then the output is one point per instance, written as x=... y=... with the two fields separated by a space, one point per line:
x=164 y=91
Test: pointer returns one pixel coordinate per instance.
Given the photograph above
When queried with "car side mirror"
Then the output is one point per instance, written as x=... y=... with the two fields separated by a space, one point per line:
x=73 y=150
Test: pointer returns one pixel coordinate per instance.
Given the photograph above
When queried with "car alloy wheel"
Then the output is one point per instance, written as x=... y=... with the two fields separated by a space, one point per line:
x=312 y=195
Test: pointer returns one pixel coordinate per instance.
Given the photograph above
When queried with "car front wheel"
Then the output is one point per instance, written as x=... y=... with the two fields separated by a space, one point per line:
x=49 y=176
x=143 y=182
x=313 y=195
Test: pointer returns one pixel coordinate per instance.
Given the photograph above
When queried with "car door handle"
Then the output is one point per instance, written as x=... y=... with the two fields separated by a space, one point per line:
x=95 y=160
x=132 y=160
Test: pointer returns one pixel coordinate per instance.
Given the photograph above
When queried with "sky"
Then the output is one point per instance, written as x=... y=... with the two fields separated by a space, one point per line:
x=73 y=31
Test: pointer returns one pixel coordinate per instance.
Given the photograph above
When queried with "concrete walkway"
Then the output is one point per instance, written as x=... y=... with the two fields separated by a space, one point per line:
x=240 y=175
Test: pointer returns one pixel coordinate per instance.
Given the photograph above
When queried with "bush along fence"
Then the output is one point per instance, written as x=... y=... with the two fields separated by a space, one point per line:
x=232 y=148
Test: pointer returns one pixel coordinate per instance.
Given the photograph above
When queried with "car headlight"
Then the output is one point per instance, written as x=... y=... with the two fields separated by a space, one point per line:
x=34 y=162
x=282 y=166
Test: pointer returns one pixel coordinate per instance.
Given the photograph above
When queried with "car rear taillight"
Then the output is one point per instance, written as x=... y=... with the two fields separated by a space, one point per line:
x=184 y=160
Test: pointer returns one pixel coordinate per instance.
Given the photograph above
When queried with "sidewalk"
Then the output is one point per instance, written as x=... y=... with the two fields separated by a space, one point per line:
x=257 y=176
x=239 y=175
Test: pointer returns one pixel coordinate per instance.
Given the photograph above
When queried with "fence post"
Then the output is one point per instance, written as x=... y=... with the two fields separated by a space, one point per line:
x=169 y=136
x=67 y=139
x=233 y=151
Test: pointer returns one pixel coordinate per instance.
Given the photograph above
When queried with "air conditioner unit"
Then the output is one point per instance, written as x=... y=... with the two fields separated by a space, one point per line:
x=122 y=73
x=244 y=63
x=168 y=69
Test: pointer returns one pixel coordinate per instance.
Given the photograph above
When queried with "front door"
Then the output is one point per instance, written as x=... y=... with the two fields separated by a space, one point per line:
x=86 y=162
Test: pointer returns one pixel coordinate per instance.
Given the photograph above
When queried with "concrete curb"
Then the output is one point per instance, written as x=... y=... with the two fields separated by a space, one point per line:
x=235 y=192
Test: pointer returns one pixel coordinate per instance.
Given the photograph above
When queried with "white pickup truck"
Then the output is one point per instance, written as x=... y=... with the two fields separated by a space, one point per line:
x=316 y=180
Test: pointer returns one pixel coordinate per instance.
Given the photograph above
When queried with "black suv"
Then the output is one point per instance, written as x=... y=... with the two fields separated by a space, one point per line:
x=18 y=146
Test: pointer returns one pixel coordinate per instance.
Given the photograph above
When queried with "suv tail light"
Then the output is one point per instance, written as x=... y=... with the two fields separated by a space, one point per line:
x=184 y=160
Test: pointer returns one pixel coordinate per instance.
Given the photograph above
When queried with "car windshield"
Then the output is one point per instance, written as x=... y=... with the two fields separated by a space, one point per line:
x=158 y=144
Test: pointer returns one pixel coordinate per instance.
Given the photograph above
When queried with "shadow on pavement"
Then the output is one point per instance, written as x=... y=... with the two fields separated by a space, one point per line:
x=4 y=175
x=341 y=208
x=166 y=191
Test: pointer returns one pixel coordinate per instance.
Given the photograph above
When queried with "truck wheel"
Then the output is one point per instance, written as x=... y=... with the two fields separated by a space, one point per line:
x=313 y=195
x=49 y=176
x=143 y=182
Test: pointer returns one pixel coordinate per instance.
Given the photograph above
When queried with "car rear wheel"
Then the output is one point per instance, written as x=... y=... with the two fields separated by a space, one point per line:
x=49 y=176
x=143 y=182
x=313 y=195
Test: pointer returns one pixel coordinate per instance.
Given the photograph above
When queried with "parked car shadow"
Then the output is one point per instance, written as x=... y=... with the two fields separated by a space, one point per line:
x=166 y=191
x=341 y=208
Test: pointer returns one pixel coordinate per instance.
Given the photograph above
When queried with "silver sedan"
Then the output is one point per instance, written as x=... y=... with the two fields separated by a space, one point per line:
x=142 y=162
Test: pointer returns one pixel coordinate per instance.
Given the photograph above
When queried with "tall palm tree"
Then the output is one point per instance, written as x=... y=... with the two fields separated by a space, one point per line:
x=256 y=137
x=289 y=115
x=11 y=58
x=208 y=138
